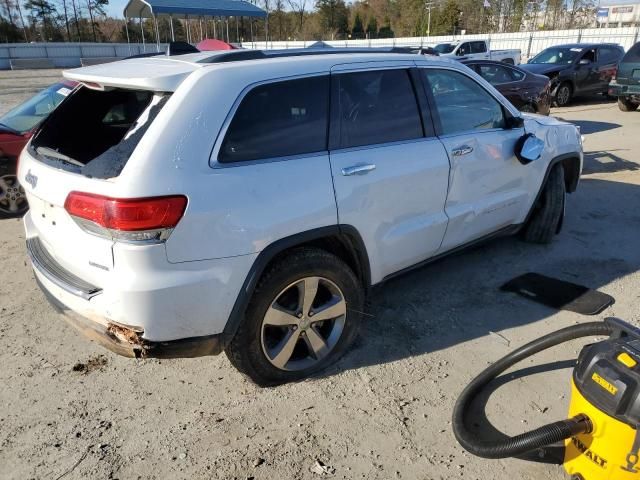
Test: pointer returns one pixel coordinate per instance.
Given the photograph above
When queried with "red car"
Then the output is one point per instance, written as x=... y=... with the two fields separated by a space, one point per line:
x=16 y=128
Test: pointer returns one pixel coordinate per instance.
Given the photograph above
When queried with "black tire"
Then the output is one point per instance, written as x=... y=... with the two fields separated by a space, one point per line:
x=626 y=105
x=548 y=210
x=13 y=203
x=508 y=61
x=563 y=96
x=246 y=352
x=528 y=108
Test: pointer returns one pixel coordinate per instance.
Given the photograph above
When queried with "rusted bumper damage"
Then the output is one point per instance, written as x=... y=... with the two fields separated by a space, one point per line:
x=128 y=341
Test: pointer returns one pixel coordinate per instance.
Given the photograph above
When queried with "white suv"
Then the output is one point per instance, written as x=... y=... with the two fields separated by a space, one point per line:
x=246 y=201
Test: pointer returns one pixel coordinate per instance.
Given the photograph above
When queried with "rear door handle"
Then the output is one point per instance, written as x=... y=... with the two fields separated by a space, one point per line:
x=360 y=169
x=463 y=150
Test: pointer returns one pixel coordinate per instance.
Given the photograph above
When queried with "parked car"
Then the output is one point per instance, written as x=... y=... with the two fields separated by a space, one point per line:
x=16 y=127
x=477 y=50
x=250 y=205
x=527 y=91
x=626 y=84
x=577 y=69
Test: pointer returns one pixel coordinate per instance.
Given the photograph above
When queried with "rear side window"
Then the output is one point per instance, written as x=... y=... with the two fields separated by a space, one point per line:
x=279 y=119
x=516 y=74
x=462 y=104
x=478 y=47
x=376 y=107
x=609 y=55
x=495 y=74
x=633 y=55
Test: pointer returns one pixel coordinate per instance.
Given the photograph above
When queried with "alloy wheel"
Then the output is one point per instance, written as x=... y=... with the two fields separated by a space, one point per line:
x=303 y=324
x=13 y=201
x=563 y=95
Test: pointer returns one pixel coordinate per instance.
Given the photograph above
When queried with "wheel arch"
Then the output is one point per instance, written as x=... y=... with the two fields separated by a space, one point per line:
x=571 y=165
x=344 y=241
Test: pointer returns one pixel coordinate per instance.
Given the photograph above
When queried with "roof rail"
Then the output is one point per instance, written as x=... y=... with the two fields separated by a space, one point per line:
x=240 y=55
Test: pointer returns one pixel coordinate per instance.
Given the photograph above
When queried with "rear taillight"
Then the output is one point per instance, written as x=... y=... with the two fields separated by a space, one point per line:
x=132 y=219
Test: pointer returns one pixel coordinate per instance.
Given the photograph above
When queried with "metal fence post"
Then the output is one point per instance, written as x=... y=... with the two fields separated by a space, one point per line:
x=529 y=45
x=635 y=37
x=579 y=35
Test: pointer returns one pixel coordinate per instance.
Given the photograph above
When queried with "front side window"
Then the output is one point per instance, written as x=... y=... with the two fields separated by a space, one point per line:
x=376 y=107
x=589 y=55
x=279 y=119
x=462 y=104
x=465 y=49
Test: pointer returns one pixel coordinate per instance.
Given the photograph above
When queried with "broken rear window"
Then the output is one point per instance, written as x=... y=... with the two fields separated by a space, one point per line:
x=94 y=132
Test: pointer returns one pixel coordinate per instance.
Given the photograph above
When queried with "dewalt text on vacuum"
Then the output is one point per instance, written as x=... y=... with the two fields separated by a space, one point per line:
x=601 y=436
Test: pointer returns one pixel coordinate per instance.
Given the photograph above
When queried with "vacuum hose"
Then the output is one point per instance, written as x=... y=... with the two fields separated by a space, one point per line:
x=540 y=437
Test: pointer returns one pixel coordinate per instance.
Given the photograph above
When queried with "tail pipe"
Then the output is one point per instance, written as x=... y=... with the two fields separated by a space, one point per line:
x=540 y=437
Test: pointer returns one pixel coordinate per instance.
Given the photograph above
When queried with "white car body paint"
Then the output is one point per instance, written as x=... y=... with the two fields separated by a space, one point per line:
x=417 y=203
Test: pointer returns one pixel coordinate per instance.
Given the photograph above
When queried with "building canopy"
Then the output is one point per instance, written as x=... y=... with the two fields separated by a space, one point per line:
x=192 y=8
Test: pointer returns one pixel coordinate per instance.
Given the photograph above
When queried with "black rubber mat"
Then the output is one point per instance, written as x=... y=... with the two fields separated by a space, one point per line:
x=559 y=294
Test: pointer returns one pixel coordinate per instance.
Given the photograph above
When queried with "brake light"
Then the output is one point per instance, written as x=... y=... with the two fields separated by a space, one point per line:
x=131 y=219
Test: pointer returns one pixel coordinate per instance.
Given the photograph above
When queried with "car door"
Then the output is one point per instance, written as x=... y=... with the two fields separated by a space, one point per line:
x=464 y=51
x=586 y=75
x=479 y=50
x=488 y=190
x=390 y=171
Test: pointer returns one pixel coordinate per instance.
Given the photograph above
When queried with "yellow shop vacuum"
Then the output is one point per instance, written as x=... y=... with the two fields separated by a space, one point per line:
x=601 y=437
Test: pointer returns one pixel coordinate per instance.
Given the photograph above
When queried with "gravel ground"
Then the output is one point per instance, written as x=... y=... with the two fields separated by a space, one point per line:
x=72 y=410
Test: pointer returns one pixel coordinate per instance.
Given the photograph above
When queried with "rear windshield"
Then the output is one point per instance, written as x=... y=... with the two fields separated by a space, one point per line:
x=633 y=55
x=94 y=132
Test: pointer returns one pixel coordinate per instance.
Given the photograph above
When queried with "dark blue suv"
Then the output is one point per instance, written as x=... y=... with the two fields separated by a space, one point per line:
x=577 y=69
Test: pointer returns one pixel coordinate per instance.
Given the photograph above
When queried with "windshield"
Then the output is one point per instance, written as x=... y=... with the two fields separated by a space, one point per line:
x=445 y=47
x=564 y=55
x=30 y=113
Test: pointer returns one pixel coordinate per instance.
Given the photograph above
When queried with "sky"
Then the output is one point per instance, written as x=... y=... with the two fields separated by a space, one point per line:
x=115 y=8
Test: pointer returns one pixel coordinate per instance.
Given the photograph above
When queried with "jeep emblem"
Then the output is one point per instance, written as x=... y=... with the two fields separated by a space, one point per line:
x=31 y=179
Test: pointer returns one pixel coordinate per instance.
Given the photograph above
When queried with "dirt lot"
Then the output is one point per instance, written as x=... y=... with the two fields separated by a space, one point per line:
x=69 y=409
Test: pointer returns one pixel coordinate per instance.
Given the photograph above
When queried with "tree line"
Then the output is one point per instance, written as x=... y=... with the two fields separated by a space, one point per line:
x=87 y=20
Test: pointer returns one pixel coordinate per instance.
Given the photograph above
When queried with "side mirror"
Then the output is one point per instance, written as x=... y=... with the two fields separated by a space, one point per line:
x=584 y=61
x=461 y=52
x=529 y=148
x=514 y=122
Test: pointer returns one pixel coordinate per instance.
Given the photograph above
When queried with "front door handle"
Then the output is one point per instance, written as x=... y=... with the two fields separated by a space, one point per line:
x=359 y=169
x=463 y=150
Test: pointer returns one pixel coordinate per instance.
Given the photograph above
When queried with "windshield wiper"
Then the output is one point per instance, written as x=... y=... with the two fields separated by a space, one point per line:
x=50 y=152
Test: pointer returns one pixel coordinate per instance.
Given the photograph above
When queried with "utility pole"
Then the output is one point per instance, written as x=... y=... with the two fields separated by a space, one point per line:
x=428 y=7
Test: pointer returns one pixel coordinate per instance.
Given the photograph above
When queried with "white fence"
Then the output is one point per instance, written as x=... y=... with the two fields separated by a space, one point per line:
x=68 y=55
x=530 y=43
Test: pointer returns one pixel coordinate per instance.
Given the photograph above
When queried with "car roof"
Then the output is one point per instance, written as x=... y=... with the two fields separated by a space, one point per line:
x=585 y=45
x=489 y=62
x=165 y=73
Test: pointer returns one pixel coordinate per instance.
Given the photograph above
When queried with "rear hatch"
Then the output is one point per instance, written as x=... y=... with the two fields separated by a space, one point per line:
x=629 y=68
x=83 y=146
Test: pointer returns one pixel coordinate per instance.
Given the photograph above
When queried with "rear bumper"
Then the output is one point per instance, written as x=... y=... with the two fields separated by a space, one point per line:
x=621 y=90
x=128 y=342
